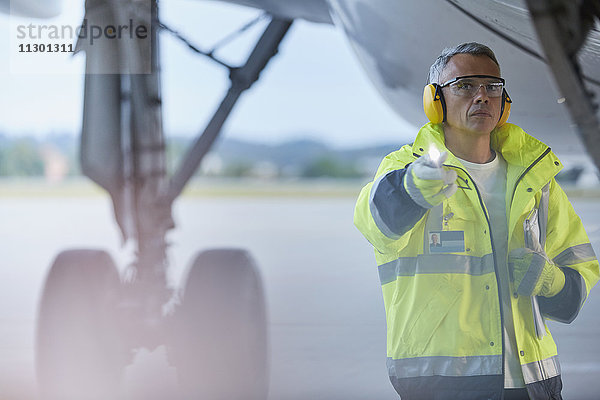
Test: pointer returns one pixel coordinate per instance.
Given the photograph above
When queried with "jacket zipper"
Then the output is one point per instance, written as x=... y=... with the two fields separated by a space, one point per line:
x=495 y=272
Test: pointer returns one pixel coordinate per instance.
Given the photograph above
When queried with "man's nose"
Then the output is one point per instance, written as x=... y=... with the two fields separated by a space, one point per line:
x=481 y=95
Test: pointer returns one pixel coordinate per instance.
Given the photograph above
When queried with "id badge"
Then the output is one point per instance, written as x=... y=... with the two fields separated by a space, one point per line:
x=446 y=241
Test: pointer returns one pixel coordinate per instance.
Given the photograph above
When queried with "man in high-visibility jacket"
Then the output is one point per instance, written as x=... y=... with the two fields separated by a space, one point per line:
x=466 y=316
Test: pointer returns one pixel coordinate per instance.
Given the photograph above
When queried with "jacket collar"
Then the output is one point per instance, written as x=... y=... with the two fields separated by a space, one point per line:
x=516 y=146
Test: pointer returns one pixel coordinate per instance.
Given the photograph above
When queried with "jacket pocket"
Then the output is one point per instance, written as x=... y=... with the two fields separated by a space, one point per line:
x=423 y=322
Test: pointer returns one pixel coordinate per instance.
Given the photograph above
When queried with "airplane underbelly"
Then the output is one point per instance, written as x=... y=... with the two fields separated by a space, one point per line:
x=397 y=42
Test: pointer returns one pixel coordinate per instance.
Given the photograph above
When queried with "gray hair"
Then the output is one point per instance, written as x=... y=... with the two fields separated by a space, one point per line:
x=473 y=48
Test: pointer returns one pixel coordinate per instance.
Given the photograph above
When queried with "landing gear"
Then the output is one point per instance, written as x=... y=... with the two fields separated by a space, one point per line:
x=219 y=338
x=88 y=322
x=79 y=355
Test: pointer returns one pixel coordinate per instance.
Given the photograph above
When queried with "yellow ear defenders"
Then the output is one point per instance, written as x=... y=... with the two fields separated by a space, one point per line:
x=434 y=105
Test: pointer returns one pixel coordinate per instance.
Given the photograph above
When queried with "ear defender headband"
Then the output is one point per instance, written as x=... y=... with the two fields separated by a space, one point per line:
x=505 y=109
x=434 y=105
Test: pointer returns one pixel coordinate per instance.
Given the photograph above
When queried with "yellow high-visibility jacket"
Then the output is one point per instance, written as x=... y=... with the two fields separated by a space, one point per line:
x=443 y=305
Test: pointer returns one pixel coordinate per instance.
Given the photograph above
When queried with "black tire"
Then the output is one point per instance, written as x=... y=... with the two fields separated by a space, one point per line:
x=78 y=352
x=219 y=344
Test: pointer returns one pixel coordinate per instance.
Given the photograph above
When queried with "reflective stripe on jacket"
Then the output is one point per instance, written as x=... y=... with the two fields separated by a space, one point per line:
x=443 y=308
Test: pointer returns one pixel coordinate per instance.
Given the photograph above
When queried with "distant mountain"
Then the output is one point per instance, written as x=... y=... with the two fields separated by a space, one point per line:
x=299 y=156
x=296 y=152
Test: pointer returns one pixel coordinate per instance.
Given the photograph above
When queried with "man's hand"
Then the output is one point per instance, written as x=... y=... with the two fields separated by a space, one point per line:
x=534 y=274
x=428 y=183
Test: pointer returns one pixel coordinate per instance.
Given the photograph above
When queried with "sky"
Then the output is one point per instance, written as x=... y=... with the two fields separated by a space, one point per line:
x=314 y=88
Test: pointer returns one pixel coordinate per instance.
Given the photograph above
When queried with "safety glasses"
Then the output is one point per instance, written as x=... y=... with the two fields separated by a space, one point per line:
x=468 y=86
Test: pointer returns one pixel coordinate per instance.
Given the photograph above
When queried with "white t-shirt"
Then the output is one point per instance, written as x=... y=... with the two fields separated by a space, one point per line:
x=490 y=179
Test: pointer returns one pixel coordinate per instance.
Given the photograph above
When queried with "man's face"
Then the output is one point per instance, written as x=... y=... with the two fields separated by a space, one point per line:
x=434 y=239
x=477 y=115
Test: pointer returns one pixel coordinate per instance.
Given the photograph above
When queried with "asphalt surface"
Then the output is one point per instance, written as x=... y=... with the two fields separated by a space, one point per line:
x=326 y=317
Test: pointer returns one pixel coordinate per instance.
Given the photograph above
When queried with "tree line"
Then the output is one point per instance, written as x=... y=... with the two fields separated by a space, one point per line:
x=58 y=154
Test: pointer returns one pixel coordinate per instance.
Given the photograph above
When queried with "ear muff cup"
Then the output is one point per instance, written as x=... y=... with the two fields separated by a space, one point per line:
x=505 y=111
x=434 y=104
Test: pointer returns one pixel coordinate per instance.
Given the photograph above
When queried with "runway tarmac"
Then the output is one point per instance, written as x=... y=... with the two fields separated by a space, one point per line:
x=326 y=316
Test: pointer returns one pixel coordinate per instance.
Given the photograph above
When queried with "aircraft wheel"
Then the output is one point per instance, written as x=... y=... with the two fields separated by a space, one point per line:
x=220 y=345
x=78 y=354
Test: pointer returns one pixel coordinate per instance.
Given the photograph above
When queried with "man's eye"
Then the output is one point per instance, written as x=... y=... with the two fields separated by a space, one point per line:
x=464 y=86
x=493 y=88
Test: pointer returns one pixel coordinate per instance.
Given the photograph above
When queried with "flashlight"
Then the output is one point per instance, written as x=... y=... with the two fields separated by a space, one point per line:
x=434 y=156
